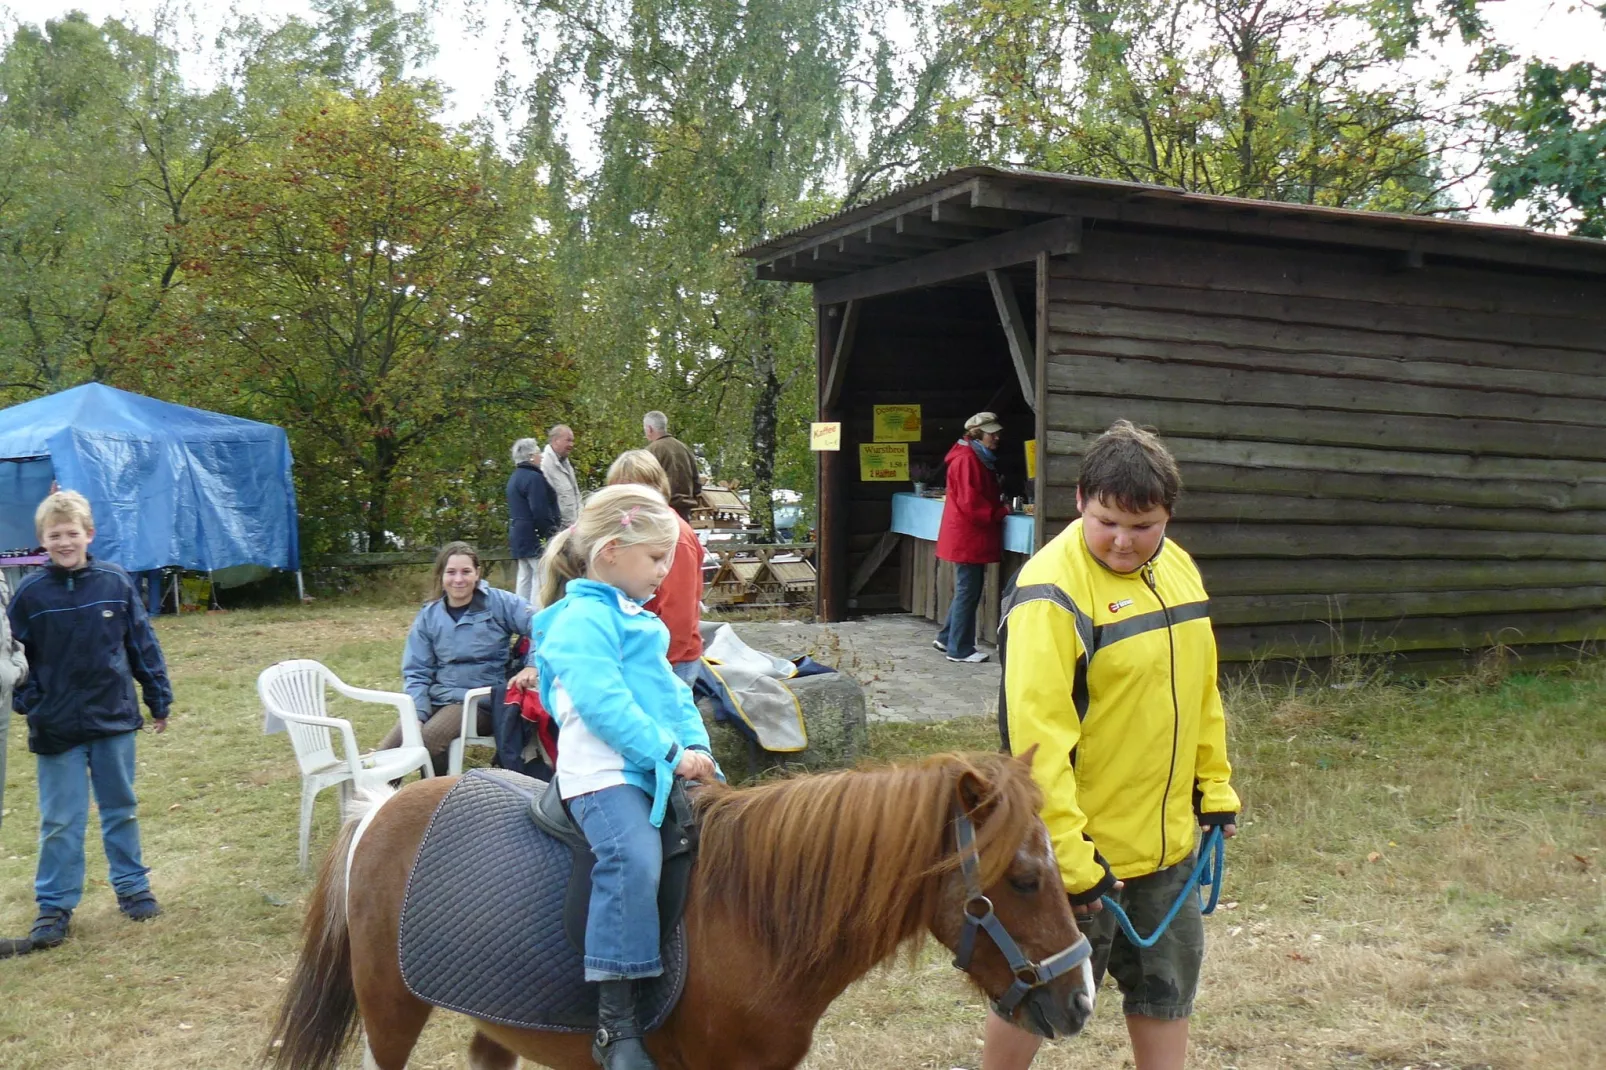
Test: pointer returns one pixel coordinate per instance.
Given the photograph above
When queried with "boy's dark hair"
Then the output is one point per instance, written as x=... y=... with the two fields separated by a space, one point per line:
x=1129 y=467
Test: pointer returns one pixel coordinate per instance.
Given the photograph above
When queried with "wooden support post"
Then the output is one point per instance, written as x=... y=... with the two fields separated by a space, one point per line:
x=1041 y=488
x=841 y=350
x=872 y=561
x=830 y=592
x=1021 y=349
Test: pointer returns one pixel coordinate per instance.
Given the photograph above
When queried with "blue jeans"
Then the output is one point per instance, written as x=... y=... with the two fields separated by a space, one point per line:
x=107 y=765
x=959 y=631
x=687 y=670
x=622 y=929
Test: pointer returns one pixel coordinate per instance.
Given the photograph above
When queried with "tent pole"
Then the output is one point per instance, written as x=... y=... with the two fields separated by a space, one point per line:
x=301 y=590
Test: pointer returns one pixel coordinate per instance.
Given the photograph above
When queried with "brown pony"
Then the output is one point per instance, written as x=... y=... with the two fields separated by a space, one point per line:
x=801 y=887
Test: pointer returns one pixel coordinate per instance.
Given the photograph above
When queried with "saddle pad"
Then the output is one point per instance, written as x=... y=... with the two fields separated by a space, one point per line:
x=482 y=924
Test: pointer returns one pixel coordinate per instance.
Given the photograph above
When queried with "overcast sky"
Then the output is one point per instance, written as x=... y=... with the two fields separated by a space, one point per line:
x=474 y=39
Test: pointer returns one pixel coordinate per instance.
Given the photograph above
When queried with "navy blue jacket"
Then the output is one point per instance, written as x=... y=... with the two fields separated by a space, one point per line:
x=88 y=639
x=532 y=511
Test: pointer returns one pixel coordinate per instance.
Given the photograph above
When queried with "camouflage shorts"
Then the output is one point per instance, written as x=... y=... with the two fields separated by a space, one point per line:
x=1159 y=981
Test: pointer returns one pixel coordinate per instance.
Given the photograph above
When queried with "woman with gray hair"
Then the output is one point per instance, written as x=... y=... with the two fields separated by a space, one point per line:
x=532 y=514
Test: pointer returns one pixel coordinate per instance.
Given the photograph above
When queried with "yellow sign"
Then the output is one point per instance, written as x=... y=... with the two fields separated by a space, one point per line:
x=897 y=423
x=1031 y=458
x=884 y=462
x=825 y=436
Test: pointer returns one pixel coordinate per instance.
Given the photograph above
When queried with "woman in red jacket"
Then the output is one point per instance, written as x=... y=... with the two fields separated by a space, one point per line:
x=679 y=601
x=972 y=532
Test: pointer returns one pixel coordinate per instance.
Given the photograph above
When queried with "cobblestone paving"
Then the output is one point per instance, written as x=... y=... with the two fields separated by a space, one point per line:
x=892 y=656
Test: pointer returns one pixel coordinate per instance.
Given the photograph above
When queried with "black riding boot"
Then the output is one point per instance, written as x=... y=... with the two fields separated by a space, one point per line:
x=618 y=1042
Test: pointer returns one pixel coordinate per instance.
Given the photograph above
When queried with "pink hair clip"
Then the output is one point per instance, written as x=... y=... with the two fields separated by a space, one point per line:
x=628 y=516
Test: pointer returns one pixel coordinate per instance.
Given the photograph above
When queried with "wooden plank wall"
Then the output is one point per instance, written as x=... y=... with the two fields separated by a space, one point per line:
x=946 y=350
x=1378 y=458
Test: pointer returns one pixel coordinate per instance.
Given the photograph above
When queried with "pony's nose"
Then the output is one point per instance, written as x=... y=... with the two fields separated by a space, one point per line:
x=1050 y=1017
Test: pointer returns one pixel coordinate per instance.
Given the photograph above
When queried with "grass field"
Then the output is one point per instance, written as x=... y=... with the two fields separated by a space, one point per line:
x=1417 y=882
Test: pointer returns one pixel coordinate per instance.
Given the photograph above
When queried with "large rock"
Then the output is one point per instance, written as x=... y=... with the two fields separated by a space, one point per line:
x=833 y=714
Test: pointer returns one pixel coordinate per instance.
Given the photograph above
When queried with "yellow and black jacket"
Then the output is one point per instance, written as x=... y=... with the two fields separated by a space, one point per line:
x=1112 y=677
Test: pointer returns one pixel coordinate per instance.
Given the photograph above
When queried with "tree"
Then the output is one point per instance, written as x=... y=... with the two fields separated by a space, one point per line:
x=375 y=283
x=718 y=124
x=105 y=147
x=1553 y=158
x=1291 y=100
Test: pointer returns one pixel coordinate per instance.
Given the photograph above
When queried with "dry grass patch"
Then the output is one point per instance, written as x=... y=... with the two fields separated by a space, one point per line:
x=1417 y=881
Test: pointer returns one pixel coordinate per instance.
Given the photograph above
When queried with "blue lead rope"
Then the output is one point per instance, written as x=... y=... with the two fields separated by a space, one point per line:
x=1206 y=873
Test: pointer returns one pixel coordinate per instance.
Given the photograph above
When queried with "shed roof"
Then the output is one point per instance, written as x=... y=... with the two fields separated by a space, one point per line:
x=973 y=205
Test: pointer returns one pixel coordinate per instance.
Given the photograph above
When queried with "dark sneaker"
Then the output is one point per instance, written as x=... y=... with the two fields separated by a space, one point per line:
x=12 y=946
x=50 y=929
x=138 y=907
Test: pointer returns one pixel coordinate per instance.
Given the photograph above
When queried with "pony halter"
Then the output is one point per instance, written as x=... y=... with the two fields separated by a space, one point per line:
x=979 y=915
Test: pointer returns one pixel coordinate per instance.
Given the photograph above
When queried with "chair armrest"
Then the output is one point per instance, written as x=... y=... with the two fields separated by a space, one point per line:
x=348 y=738
x=406 y=712
x=471 y=701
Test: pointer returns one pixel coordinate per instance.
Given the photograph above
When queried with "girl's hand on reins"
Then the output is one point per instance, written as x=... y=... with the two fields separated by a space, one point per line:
x=1227 y=831
x=695 y=765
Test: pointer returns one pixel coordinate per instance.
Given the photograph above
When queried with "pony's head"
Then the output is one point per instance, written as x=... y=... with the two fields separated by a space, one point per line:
x=825 y=876
x=1002 y=905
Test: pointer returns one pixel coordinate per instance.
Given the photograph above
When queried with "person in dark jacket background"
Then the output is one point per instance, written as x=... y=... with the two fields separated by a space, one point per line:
x=87 y=638
x=533 y=517
x=972 y=531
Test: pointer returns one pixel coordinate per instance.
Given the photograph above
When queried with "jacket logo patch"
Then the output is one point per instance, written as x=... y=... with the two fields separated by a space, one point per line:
x=1116 y=607
x=108 y=614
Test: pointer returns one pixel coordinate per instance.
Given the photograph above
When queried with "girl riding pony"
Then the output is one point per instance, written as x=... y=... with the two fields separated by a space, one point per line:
x=628 y=726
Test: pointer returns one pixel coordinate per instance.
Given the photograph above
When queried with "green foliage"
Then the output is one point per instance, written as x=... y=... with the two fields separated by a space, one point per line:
x=1556 y=164
x=104 y=149
x=373 y=283
x=1292 y=100
x=719 y=124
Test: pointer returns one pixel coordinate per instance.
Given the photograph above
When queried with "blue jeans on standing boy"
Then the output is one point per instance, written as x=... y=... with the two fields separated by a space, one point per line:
x=622 y=929
x=65 y=780
x=959 y=631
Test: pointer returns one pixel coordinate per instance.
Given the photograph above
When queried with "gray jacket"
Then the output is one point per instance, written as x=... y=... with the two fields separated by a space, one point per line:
x=561 y=478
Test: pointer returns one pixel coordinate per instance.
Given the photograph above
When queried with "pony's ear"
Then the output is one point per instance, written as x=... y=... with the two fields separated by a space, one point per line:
x=973 y=791
x=1029 y=757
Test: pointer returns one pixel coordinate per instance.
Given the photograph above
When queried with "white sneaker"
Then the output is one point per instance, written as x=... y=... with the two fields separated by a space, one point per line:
x=937 y=644
x=975 y=659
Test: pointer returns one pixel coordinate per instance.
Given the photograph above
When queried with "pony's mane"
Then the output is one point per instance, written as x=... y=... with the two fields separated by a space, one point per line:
x=833 y=872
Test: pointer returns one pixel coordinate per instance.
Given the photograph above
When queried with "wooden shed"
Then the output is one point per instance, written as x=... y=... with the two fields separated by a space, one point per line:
x=1392 y=428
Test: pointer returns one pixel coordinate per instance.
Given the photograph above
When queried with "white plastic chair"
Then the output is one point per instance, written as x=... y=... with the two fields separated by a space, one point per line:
x=469 y=735
x=293 y=692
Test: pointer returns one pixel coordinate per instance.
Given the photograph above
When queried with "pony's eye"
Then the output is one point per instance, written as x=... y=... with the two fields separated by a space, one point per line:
x=1025 y=885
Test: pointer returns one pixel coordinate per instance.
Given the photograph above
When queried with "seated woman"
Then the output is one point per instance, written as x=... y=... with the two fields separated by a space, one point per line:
x=679 y=601
x=460 y=640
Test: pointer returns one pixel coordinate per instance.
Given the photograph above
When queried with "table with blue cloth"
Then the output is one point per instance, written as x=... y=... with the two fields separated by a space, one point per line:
x=928 y=584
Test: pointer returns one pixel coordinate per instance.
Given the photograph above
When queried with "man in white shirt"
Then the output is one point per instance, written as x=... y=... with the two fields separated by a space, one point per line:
x=560 y=473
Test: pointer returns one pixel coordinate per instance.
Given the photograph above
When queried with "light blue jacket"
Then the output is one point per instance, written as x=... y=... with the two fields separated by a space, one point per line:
x=611 y=657
x=446 y=657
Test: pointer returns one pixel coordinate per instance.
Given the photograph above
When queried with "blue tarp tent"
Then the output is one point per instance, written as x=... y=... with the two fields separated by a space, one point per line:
x=169 y=485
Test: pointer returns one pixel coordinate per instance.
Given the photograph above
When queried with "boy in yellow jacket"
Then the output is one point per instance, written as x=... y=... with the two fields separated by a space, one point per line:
x=1110 y=673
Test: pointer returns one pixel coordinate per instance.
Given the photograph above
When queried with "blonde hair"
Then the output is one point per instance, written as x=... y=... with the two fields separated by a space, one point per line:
x=639 y=466
x=64 y=506
x=626 y=514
